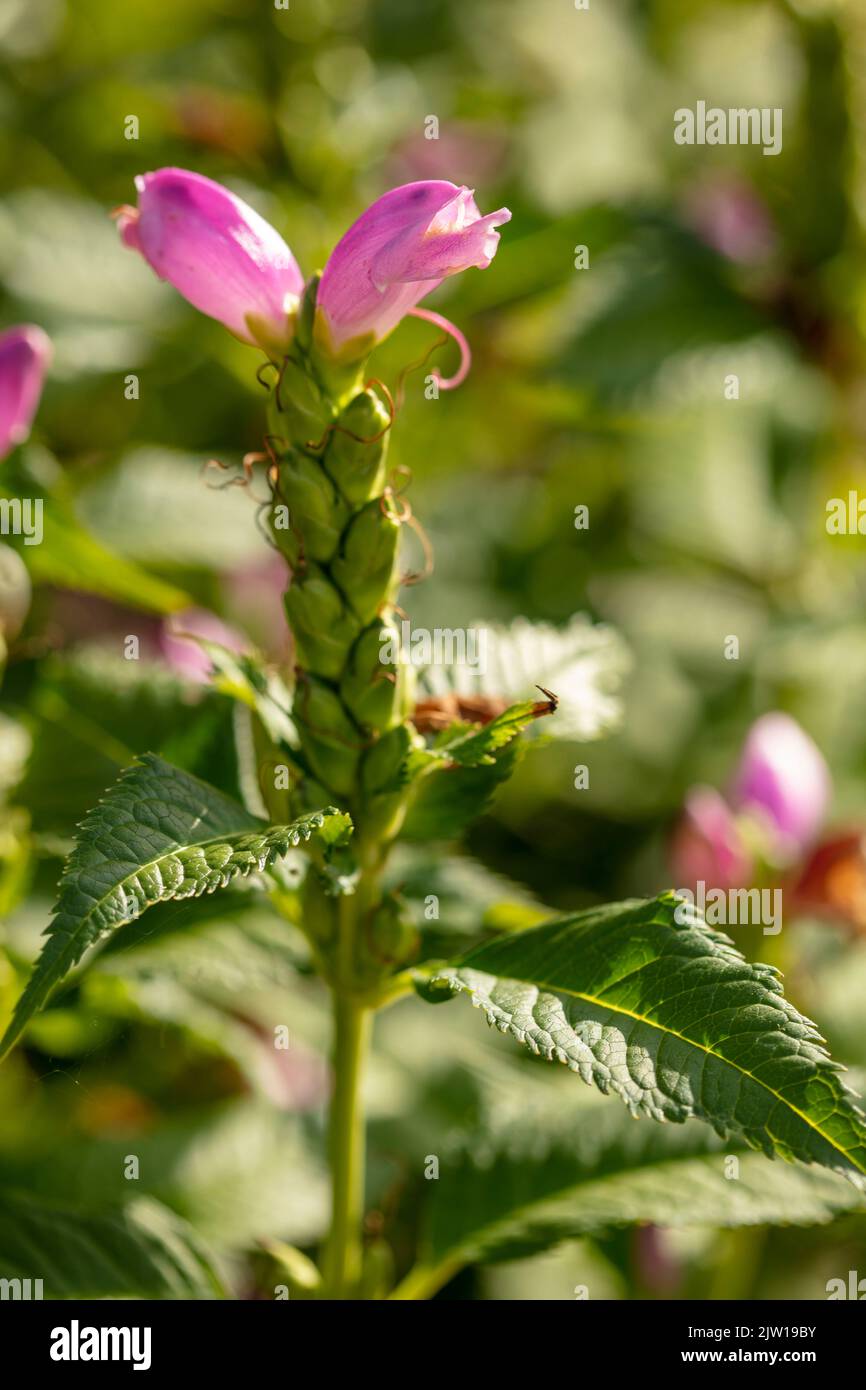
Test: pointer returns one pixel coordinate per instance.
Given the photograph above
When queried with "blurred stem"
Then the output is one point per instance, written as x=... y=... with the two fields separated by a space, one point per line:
x=737 y=1264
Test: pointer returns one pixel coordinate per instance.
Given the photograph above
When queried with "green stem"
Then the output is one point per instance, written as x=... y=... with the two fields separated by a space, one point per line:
x=343 y=1255
x=424 y=1280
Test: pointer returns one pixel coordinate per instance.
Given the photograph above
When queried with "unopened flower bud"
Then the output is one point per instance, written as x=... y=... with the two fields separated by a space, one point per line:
x=330 y=740
x=784 y=781
x=357 y=449
x=218 y=252
x=323 y=627
x=317 y=513
x=375 y=691
x=383 y=762
x=25 y=353
x=299 y=413
x=364 y=566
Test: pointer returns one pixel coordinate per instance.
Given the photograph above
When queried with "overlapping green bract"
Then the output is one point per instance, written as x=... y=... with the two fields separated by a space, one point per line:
x=338 y=525
x=158 y=835
x=672 y=1019
x=513 y=1189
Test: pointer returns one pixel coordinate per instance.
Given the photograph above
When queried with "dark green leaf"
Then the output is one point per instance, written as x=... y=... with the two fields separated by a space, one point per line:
x=141 y=1250
x=159 y=835
x=670 y=1017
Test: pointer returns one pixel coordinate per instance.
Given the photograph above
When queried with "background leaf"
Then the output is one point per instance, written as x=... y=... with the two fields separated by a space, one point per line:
x=583 y=664
x=522 y=1184
x=92 y=714
x=140 y=1250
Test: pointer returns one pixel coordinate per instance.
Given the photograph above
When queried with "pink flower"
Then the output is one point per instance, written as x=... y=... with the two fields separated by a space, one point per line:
x=25 y=353
x=728 y=215
x=220 y=254
x=783 y=779
x=778 y=803
x=397 y=252
x=232 y=265
x=707 y=845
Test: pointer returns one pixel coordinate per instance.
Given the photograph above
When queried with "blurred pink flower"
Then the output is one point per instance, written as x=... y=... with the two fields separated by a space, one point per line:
x=729 y=215
x=182 y=652
x=217 y=251
x=783 y=779
x=25 y=353
x=781 y=792
x=253 y=597
x=707 y=845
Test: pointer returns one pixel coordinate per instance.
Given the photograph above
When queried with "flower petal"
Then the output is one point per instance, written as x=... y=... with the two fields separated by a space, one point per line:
x=25 y=353
x=217 y=251
x=399 y=250
x=783 y=777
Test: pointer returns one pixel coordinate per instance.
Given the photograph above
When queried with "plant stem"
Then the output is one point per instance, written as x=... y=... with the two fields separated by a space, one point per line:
x=342 y=1264
x=424 y=1280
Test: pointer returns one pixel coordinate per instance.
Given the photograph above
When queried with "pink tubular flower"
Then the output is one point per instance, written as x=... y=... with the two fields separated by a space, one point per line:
x=220 y=254
x=25 y=353
x=783 y=778
x=397 y=252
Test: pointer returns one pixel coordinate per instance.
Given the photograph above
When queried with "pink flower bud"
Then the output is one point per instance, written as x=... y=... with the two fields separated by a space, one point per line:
x=25 y=353
x=220 y=254
x=397 y=252
x=784 y=780
x=707 y=846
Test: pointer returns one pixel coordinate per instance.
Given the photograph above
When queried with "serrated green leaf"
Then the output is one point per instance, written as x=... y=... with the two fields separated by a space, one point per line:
x=515 y=1188
x=159 y=835
x=476 y=748
x=670 y=1017
x=140 y=1250
x=450 y=797
x=459 y=772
